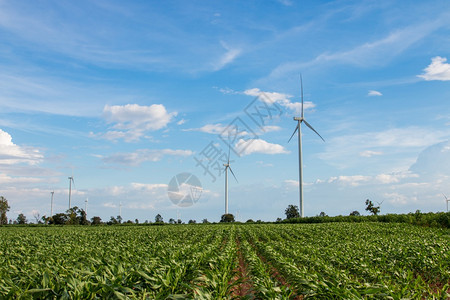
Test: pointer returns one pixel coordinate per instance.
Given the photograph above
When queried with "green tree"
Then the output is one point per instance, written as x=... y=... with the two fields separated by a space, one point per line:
x=22 y=219
x=59 y=219
x=159 y=219
x=292 y=212
x=96 y=220
x=72 y=216
x=4 y=208
x=374 y=210
x=112 y=221
x=323 y=214
x=82 y=218
x=355 y=213
x=227 y=218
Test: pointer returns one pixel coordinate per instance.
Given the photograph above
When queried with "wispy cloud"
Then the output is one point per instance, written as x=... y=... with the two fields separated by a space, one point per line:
x=228 y=57
x=369 y=153
x=374 y=93
x=209 y=128
x=343 y=151
x=437 y=70
x=143 y=155
x=369 y=54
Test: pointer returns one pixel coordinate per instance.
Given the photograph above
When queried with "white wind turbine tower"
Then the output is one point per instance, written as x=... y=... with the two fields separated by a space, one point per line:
x=299 y=128
x=85 y=205
x=70 y=188
x=227 y=166
x=446 y=200
x=51 y=205
x=379 y=204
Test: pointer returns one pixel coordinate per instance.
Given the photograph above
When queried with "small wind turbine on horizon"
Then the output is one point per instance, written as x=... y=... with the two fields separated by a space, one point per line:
x=85 y=205
x=298 y=128
x=227 y=166
x=379 y=204
x=51 y=205
x=70 y=188
x=446 y=200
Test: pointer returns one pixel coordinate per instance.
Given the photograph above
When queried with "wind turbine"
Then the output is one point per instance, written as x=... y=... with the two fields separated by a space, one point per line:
x=85 y=205
x=51 y=206
x=227 y=166
x=301 y=120
x=70 y=188
x=446 y=200
x=379 y=204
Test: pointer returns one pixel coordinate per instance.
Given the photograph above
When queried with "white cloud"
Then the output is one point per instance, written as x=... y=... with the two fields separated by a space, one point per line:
x=11 y=153
x=228 y=57
x=181 y=122
x=437 y=70
x=143 y=155
x=270 y=128
x=377 y=52
x=148 y=186
x=343 y=151
x=279 y=98
x=369 y=153
x=246 y=147
x=220 y=129
x=131 y=121
x=109 y=205
x=291 y=183
x=354 y=180
x=358 y=180
x=209 y=128
x=398 y=199
x=5 y=179
x=374 y=93
x=394 y=177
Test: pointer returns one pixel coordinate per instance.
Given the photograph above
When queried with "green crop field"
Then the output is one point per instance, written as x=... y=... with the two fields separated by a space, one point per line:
x=262 y=261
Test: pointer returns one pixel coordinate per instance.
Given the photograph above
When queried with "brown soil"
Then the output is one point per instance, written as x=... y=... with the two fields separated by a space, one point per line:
x=244 y=287
x=277 y=275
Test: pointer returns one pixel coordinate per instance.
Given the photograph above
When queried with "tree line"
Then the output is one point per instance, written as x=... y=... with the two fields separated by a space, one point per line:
x=77 y=216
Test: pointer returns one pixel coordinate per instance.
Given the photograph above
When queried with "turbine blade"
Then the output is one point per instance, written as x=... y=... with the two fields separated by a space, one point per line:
x=301 y=85
x=233 y=174
x=229 y=148
x=445 y=196
x=296 y=128
x=310 y=127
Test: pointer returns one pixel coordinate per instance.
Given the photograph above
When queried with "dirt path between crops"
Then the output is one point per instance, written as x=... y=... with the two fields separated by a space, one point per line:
x=276 y=274
x=244 y=286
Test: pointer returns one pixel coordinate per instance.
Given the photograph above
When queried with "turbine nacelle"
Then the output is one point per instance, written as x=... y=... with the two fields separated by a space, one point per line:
x=298 y=119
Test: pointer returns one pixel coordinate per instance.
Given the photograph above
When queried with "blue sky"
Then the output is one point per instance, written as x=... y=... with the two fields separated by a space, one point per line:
x=125 y=96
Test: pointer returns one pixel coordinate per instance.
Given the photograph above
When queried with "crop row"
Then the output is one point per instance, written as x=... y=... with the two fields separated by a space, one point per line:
x=280 y=261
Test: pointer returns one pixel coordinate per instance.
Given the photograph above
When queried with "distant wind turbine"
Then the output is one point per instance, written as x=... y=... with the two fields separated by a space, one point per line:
x=51 y=205
x=446 y=200
x=70 y=188
x=85 y=205
x=227 y=166
x=379 y=204
x=299 y=129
